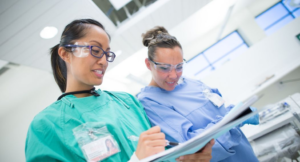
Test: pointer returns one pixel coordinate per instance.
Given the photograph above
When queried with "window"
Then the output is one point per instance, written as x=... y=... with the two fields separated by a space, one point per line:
x=276 y=17
x=216 y=55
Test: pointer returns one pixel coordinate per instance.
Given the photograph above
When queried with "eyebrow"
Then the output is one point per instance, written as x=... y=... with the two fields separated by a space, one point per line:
x=100 y=45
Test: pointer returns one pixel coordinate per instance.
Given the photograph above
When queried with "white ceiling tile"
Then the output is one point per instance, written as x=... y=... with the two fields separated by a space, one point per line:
x=173 y=14
x=30 y=45
x=194 y=5
x=160 y=18
x=127 y=36
x=22 y=44
x=11 y=15
x=26 y=19
x=186 y=7
x=28 y=40
x=121 y=44
x=177 y=11
x=156 y=19
x=6 y=5
x=136 y=39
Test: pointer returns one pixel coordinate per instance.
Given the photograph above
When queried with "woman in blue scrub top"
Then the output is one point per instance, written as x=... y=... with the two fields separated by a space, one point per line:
x=72 y=128
x=178 y=104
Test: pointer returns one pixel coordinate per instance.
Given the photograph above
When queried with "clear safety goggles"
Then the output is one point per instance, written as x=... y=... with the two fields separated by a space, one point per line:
x=96 y=51
x=166 y=68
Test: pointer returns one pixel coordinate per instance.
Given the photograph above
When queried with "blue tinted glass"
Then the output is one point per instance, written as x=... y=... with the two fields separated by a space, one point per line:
x=270 y=16
x=239 y=50
x=195 y=65
x=296 y=13
x=223 y=47
x=288 y=6
x=279 y=24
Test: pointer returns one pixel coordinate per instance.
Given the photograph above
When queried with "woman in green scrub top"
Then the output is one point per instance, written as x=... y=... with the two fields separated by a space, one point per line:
x=76 y=126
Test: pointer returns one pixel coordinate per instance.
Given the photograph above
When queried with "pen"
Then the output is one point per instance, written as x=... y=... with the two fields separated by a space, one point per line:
x=168 y=143
x=171 y=143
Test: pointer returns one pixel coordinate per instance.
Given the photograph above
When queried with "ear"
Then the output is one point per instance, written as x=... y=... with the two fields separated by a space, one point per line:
x=147 y=62
x=64 y=54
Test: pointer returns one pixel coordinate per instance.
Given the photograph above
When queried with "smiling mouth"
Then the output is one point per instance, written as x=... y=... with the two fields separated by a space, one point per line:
x=171 y=83
x=98 y=71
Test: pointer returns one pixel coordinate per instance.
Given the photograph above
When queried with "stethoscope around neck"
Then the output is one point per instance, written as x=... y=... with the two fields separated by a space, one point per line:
x=91 y=91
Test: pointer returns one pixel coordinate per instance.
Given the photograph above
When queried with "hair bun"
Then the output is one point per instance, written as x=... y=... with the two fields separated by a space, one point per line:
x=151 y=35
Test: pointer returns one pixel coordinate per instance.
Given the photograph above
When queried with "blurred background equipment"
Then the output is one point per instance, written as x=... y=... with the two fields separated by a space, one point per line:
x=277 y=137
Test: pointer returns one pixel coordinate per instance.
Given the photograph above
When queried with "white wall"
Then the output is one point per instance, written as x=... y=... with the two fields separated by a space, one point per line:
x=24 y=92
x=241 y=20
x=276 y=54
x=277 y=91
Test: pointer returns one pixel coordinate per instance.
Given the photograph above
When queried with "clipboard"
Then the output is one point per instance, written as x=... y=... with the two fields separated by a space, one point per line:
x=237 y=115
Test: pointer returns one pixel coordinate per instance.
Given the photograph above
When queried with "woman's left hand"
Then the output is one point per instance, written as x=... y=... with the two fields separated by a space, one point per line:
x=203 y=156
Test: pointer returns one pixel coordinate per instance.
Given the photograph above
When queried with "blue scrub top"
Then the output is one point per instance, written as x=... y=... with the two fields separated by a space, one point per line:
x=185 y=112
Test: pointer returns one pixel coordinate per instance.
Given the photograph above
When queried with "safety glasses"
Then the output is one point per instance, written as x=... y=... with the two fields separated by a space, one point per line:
x=166 y=68
x=96 y=51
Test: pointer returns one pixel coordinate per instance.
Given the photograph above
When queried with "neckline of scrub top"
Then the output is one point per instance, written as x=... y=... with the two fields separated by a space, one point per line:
x=182 y=82
x=73 y=96
x=89 y=102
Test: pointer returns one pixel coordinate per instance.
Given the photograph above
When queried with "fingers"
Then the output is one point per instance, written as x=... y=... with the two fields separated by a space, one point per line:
x=155 y=143
x=153 y=130
x=154 y=136
x=150 y=142
x=204 y=155
x=154 y=150
x=209 y=146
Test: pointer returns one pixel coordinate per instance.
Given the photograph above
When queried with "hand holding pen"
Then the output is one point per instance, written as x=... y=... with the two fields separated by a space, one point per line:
x=150 y=142
x=153 y=141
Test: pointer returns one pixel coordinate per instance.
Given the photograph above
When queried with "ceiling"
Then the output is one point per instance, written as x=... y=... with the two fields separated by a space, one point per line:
x=121 y=13
x=22 y=21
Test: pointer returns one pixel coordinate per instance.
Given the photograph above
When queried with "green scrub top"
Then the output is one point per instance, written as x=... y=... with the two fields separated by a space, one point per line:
x=50 y=136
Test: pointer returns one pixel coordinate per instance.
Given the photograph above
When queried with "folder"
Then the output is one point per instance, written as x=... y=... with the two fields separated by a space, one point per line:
x=235 y=116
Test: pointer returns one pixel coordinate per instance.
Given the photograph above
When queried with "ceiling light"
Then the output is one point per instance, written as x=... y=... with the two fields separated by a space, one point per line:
x=48 y=32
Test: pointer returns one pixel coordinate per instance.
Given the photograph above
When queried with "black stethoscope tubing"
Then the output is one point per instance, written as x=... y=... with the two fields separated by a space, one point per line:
x=91 y=91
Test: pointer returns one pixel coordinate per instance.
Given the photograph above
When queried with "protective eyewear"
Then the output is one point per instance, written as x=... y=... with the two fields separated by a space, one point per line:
x=96 y=51
x=166 y=68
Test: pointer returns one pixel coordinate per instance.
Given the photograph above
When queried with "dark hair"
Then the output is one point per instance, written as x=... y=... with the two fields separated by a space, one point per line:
x=112 y=144
x=73 y=31
x=158 y=37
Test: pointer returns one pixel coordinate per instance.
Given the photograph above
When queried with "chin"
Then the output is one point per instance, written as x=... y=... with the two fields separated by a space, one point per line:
x=97 y=83
x=169 y=88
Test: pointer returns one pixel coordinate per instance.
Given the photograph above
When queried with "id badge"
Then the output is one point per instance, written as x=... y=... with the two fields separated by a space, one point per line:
x=95 y=141
x=214 y=98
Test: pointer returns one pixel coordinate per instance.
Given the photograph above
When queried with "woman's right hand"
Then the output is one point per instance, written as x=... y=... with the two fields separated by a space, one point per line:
x=150 y=142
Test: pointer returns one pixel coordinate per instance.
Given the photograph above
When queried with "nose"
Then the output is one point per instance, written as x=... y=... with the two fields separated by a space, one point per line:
x=102 y=60
x=173 y=74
